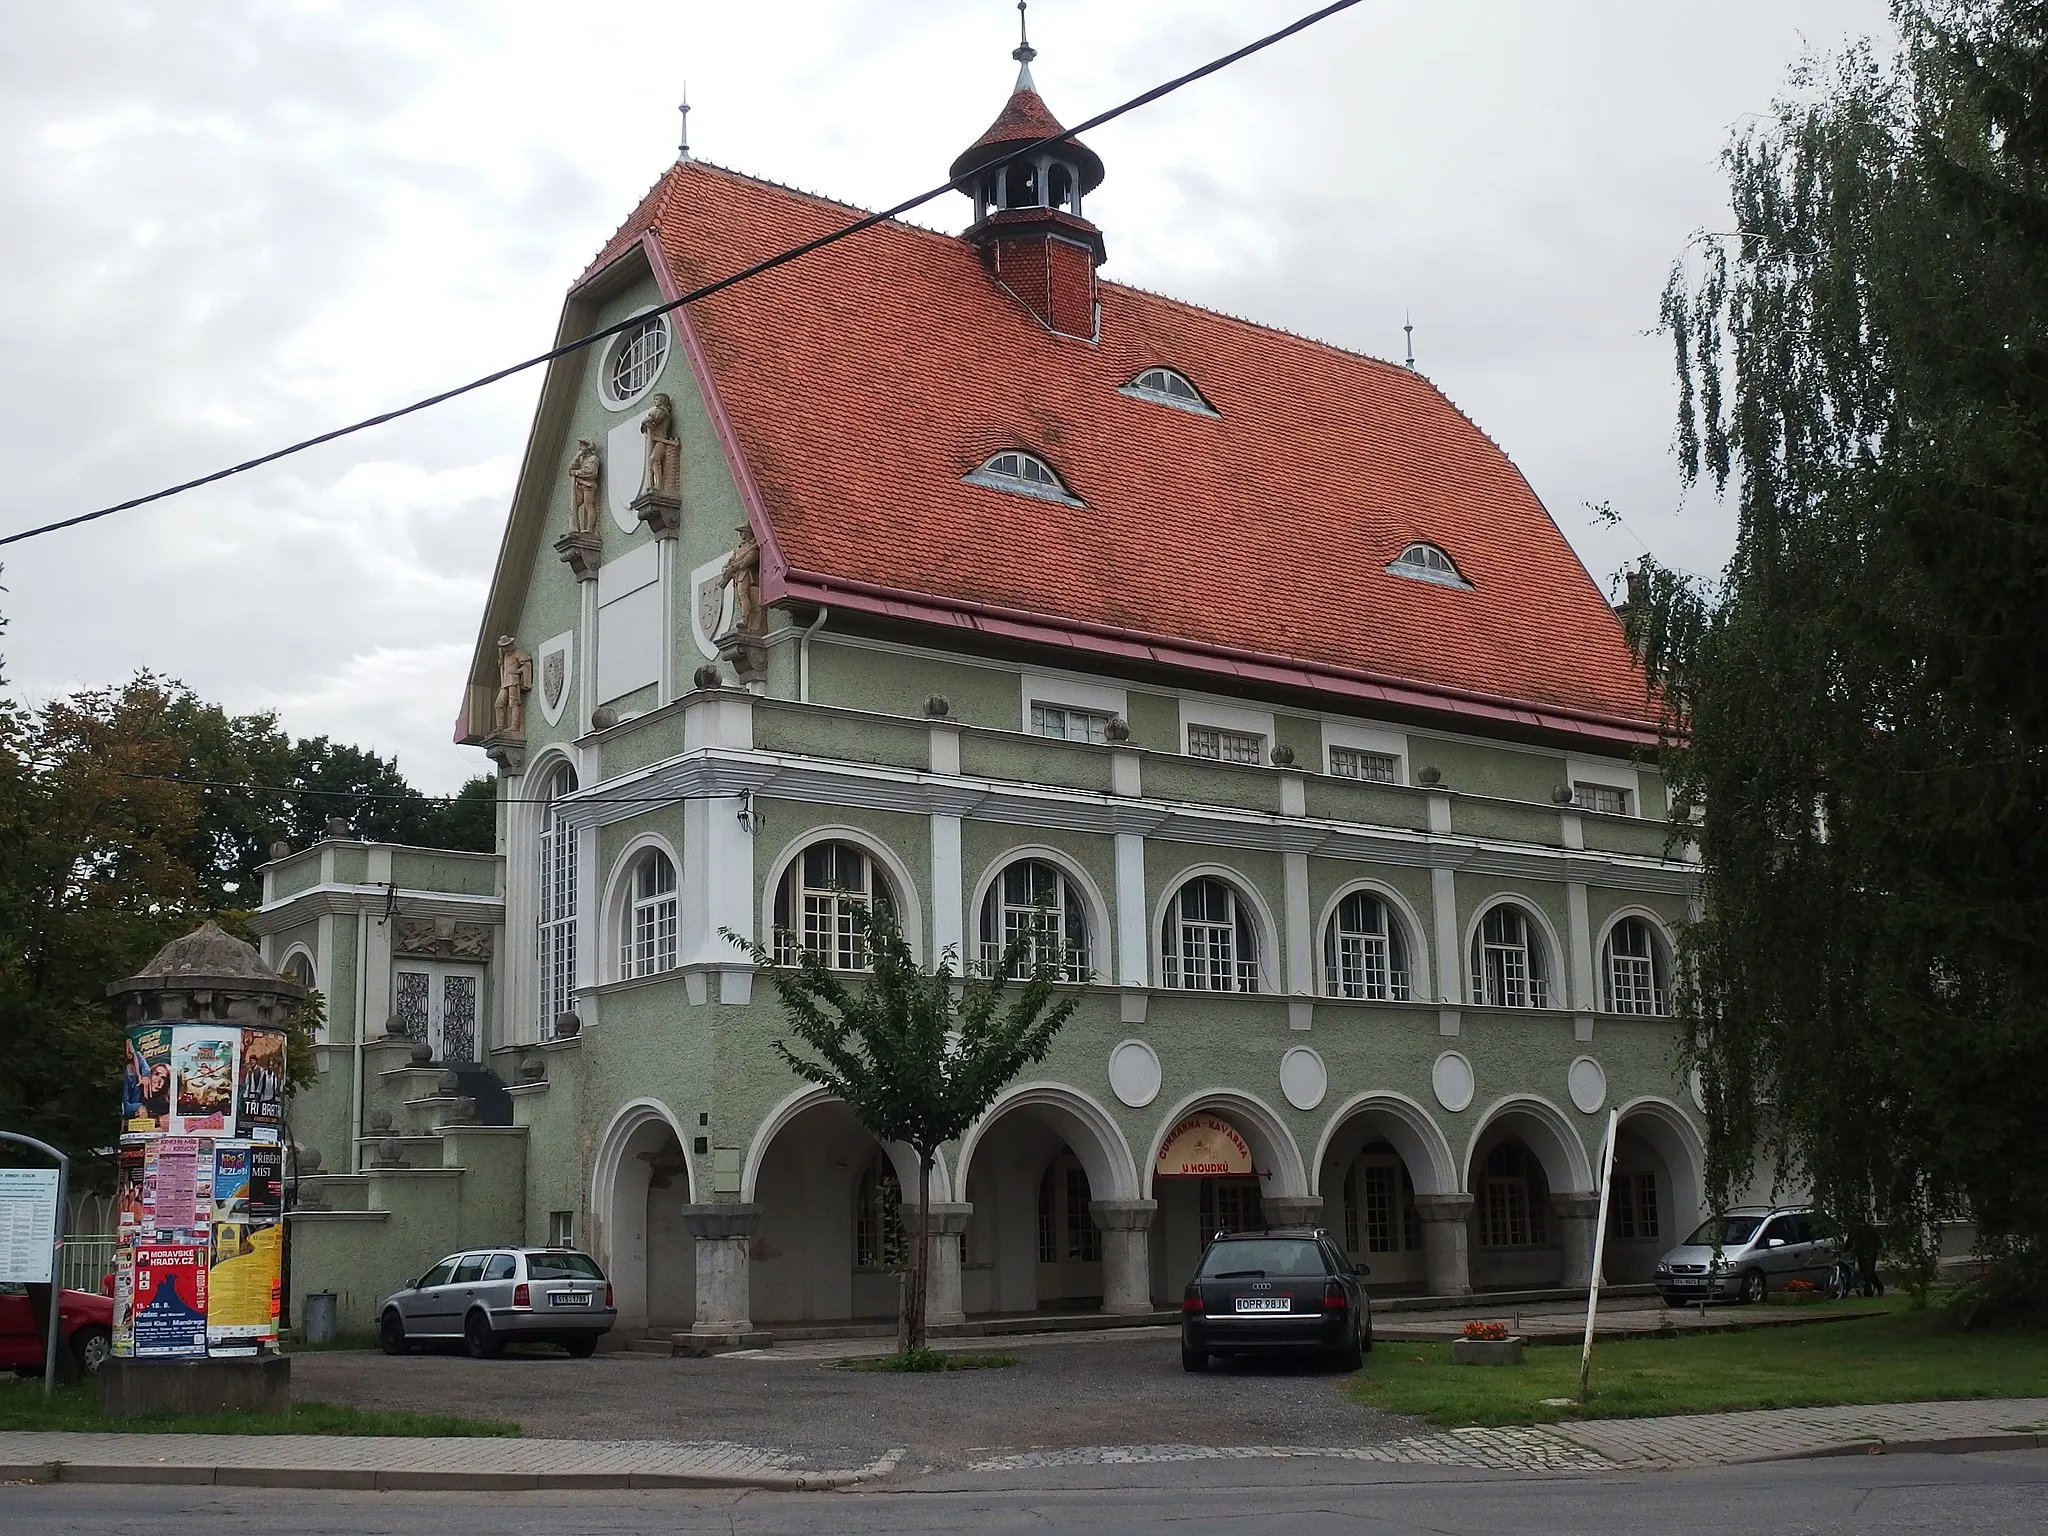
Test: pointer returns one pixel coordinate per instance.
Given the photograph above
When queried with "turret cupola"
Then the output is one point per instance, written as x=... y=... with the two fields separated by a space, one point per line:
x=1027 y=214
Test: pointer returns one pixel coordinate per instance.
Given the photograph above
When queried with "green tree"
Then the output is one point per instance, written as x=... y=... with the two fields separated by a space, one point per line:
x=918 y=1055
x=1860 y=709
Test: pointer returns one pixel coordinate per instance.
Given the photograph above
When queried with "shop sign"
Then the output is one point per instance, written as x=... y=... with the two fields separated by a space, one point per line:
x=1204 y=1146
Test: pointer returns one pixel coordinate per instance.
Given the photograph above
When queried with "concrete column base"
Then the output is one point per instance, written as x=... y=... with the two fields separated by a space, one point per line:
x=1446 y=1262
x=132 y=1388
x=724 y=1289
x=942 y=1306
x=1578 y=1217
x=1292 y=1210
x=1125 y=1226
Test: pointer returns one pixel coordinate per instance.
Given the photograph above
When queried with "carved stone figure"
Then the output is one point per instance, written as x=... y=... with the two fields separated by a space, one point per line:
x=743 y=571
x=583 y=474
x=663 y=475
x=515 y=679
x=443 y=938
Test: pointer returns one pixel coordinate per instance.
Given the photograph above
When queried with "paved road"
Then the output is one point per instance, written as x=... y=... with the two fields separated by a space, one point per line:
x=1103 y=1390
x=1987 y=1495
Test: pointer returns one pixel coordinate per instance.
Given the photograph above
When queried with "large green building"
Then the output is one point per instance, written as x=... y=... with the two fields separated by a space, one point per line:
x=937 y=570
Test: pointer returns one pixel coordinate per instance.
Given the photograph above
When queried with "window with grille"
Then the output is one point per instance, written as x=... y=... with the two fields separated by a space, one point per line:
x=1379 y=1205
x=1063 y=723
x=557 y=906
x=1512 y=1212
x=1169 y=388
x=648 y=944
x=1364 y=953
x=879 y=1240
x=1371 y=767
x=1083 y=1241
x=1605 y=798
x=1509 y=966
x=1635 y=968
x=1425 y=562
x=1231 y=1205
x=816 y=902
x=1221 y=746
x=1634 y=1198
x=1209 y=942
x=1023 y=472
x=1026 y=895
x=561 y=1229
x=636 y=360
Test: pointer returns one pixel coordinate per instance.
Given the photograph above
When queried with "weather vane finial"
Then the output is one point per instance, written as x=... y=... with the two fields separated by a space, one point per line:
x=1023 y=53
x=683 y=147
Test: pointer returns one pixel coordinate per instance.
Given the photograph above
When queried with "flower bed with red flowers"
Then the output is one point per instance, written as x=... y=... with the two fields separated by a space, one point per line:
x=1492 y=1333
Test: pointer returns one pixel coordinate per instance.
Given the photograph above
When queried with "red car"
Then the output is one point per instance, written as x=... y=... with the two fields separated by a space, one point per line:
x=86 y=1321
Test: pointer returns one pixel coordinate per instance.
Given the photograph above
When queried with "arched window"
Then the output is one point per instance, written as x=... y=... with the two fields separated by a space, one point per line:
x=636 y=360
x=647 y=937
x=1425 y=562
x=1017 y=471
x=1365 y=954
x=557 y=903
x=298 y=968
x=1637 y=972
x=1209 y=941
x=1512 y=1197
x=814 y=905
x=879 y=1241
x=1167 y=387
x=1509 y=966
x=1027 y=892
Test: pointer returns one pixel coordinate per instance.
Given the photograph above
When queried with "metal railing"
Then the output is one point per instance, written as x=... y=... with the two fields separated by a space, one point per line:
x=88 y=1260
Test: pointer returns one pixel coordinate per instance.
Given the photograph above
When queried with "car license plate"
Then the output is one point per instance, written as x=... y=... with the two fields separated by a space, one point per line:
x=1689 y=1280
x=569 y=1299
x=1265 y=1304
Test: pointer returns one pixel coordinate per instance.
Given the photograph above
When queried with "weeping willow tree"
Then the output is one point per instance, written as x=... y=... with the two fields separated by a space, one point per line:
x=1859 y=709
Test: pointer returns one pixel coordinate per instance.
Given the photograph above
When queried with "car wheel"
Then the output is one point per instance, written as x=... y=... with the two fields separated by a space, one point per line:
x=480 y=1338
x=1753 y=1287
x=583 y=1348
x=391 y=1334
x=1193 y=1359
x=1365 y=1344
x=91 y=1347
x=1351 y=1355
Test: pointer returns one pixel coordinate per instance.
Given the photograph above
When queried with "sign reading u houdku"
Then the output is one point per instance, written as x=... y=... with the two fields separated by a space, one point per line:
x=1204 y=1146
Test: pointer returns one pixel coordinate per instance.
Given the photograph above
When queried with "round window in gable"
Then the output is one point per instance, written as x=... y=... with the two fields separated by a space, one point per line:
x=1425 y=562
x=633 y=361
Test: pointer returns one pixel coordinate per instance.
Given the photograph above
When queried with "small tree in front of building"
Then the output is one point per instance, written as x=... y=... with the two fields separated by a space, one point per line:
x=918 y=1055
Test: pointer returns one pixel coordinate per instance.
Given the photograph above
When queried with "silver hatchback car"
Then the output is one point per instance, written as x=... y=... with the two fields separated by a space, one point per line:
x=1748 y=1252
x=489 y=1297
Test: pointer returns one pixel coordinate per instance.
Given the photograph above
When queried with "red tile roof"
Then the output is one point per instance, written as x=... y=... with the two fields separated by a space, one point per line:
x=1025 y=119
x=863 y=382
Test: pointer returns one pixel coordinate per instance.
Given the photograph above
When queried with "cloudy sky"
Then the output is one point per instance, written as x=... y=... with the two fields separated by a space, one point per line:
x=231 y=223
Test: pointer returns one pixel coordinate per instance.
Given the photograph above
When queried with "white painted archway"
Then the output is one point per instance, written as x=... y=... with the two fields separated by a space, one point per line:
x=639 y=1181
x=1407 y=1127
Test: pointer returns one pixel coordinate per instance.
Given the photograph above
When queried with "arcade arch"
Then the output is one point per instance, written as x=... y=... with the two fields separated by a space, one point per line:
x=640 y=1182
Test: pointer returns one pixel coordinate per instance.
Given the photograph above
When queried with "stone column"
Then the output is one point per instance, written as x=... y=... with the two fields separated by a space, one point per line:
x=1126 y=1227
x=1577 y=1215
x=724 y=1292
x=1446 y=1269
x=942 y=1307
x=1292 y=1210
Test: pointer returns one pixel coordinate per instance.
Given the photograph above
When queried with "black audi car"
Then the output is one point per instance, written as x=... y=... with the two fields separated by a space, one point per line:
x=1254 y=1292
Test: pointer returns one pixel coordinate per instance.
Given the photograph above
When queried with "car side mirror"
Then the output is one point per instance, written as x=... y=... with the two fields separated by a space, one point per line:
x=1361 y=1269
x=1776 y=1242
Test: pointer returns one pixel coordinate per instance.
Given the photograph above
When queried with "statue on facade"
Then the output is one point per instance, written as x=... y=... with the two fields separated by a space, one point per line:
x=663 y=474
x=743 y=573
x=515 y=680
x=584 y=469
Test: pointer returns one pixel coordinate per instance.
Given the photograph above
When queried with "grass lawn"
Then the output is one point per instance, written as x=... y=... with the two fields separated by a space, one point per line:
x=1901 y=1356
x=77 y=1407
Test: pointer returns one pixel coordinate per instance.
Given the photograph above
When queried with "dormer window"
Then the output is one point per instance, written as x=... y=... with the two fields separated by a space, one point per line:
x=1425 y=562
x=1026 y=473
x=1165 y=387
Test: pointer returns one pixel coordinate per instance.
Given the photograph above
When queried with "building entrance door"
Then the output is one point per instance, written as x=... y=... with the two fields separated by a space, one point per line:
x=1069 y=1247
x=440 y=1003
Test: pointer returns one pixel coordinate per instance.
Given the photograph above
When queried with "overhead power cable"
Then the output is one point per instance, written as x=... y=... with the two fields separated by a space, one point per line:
x=781 y=259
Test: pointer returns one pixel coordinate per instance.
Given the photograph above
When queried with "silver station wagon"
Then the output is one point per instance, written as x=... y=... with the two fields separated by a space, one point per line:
x=490 y=1297
x=1749 y=1251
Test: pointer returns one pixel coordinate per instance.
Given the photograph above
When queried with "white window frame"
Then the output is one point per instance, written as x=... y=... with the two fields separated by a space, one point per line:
x=1338 y=736
x=1609 y=775
x=1537 y=987
x=1240 y=749
x=995 y=911
x=1199 y=714
x=555 y=904
x=1659 y=962
x=1454 y=577
x=1246 y=916
x=990 y=473
x=1395 y=984
x=1094 y=723
x=650 y=920
x=833 y=906
x=617 y=345
x=1138 y=389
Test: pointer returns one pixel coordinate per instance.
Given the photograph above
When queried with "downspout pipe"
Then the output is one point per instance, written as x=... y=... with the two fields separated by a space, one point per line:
x=355 y=1137
x=803 y=655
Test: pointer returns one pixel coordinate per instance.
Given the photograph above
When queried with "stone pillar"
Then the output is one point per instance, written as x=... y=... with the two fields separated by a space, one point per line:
x=1446 y=1269
x=724 y=1292
x=1292 y=1210
x=1577 y=1216
x=942 y=1307
x=1126 y=1227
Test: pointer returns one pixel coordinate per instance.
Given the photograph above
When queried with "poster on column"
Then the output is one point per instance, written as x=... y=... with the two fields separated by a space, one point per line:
x=259 y=1094
x=169 y=1304
x=203 y=1079
x=146 y=1081
x=177 y=1190
x=124 y=1302
x=242 y=1290
x=129 y=1185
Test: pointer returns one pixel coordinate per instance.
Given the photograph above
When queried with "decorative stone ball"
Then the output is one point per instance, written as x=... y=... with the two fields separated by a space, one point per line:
x=380 y=1120
x=1118 y=728
x=280 y=850
x=422 y=1053
x=532 y=1070
x=308 y=1159
x=706 y=677
x=1429 y=773
x=1561 y=795
x=391 y=1153
x=603 y=718
x=337 y=826
x=938 y=706
x=1283 y=756
x=448 y=1082
x=567 y=1025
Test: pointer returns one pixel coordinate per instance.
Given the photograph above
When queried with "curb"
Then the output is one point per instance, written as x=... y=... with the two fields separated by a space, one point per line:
x=1945 y=1445
x=365 y=1479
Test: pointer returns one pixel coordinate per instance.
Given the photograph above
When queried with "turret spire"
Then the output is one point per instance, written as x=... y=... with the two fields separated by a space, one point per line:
x=1023 y=53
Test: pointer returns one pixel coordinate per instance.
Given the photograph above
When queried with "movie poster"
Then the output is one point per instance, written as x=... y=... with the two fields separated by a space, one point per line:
x=169 y=1304
x=124 y=1302
x=260 y=1096
x=146 y=1081
x=203 y=1079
